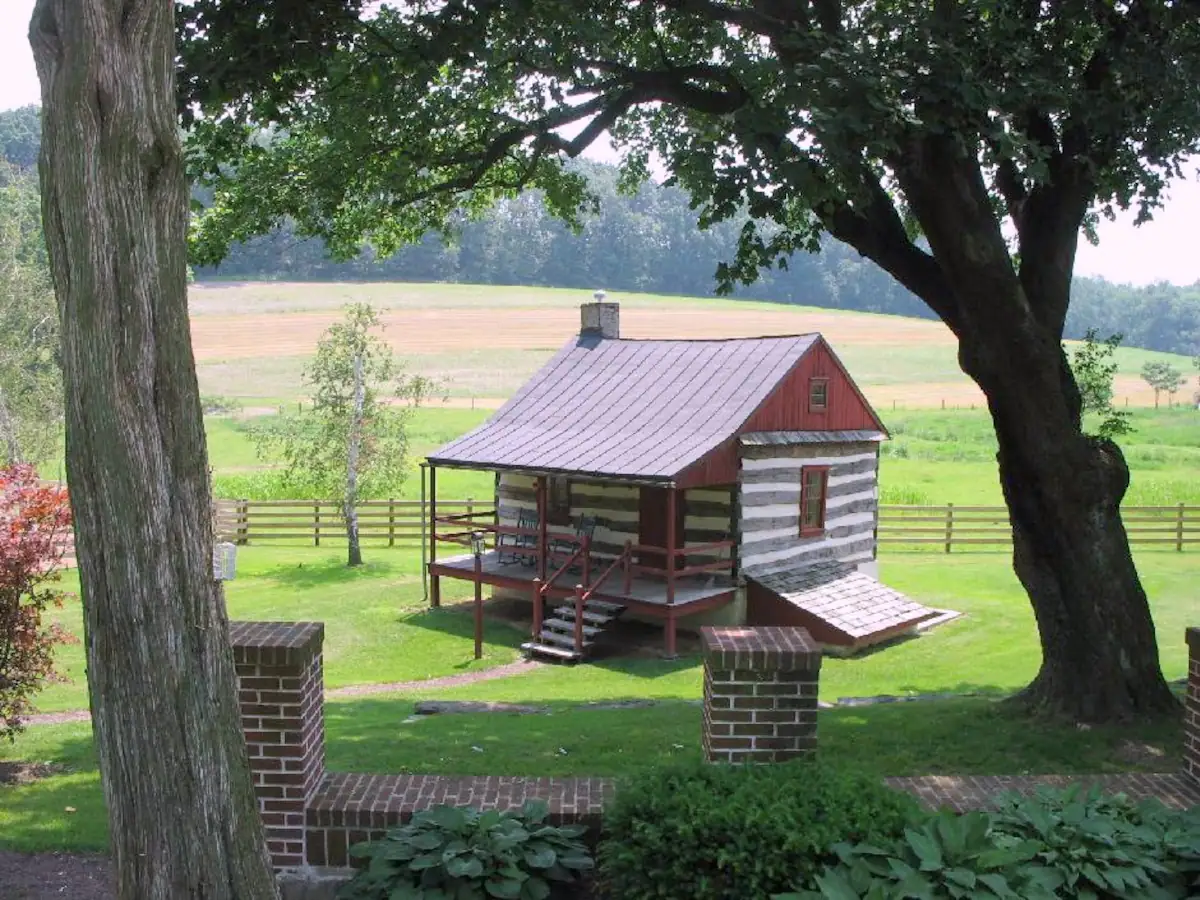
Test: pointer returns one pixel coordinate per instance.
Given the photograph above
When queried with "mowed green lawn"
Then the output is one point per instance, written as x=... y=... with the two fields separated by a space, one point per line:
x=378 y=631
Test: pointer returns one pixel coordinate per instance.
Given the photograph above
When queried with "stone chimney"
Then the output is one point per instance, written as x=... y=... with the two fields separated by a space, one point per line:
x=600 y=318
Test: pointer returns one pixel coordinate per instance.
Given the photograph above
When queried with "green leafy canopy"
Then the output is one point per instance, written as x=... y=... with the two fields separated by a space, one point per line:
x=312 y=445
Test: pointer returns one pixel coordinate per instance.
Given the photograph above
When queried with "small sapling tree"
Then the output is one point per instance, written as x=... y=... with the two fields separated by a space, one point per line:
x=33 y=520
x=352 y=441
x=1094 y=367
x=1162 y=377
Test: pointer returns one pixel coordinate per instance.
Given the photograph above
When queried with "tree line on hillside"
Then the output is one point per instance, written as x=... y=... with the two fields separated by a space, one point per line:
x=649 y=241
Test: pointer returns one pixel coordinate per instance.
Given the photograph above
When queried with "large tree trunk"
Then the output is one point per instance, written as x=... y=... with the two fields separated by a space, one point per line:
x=1063 y=488
x=1070 y=550
x=182 y=813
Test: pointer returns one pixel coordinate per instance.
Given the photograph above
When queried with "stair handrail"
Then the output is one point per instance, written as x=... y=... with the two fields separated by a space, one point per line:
x=582 y=548
x=582 y=595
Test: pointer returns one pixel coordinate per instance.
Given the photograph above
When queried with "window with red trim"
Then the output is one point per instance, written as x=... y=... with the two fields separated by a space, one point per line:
x=814 y=482
x=818 y=394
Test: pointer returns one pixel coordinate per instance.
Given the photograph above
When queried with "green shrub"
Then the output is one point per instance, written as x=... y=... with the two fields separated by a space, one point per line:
x=457 y=853
x=702 y=832
x=949 y=857
x=1055 y=845
x=1105 y=845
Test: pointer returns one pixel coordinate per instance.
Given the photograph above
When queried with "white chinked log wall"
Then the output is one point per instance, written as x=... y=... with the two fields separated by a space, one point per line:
x=770 y=506
x=708 y=512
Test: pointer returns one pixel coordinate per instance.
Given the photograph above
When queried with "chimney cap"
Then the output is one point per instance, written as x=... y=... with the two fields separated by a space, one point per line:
x=599 y=295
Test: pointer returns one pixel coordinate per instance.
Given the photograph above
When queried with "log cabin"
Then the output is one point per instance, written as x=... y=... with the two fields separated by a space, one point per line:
x=683 y=482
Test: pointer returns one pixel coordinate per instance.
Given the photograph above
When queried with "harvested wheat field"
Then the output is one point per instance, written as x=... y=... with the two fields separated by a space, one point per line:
x=481 y=342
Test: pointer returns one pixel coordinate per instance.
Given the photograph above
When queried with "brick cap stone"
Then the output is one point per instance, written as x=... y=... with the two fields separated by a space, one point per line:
x=1193 y=640
x=276 y=643
x=766 y=648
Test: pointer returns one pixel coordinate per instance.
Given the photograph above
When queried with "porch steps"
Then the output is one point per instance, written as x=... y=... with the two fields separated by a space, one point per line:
x=557 y=637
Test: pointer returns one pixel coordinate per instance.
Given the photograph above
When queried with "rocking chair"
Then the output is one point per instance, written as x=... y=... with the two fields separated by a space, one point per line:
x=585 y=527
x=510 y=548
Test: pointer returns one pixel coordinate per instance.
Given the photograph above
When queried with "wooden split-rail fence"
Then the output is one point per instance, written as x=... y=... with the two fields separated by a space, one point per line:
x=403 y=523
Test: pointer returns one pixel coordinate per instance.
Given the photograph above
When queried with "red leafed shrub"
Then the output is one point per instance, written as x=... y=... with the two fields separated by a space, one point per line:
x=34 y=521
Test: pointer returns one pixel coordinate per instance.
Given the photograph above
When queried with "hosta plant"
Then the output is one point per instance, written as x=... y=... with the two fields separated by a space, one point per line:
x=1105 y=846
x=948 y=857
x=457 y=853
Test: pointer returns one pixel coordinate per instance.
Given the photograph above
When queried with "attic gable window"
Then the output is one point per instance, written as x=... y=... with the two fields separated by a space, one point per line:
x=814 y=484
x=818 y=394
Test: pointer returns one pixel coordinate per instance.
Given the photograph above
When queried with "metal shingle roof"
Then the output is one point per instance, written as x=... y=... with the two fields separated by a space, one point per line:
x=629 y=408
x=851 y=601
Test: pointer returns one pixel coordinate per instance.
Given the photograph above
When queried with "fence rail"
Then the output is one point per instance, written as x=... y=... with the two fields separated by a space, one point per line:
x=402 y=523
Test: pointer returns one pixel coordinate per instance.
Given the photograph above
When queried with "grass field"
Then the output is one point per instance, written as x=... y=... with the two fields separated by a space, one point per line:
x=934 y=457
x=252 y=340
x=377 y=631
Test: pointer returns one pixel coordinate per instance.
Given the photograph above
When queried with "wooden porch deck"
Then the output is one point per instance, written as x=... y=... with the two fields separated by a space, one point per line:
x=647 y=594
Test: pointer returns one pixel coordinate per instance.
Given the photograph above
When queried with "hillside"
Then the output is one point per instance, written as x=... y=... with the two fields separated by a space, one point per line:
x=482 y=341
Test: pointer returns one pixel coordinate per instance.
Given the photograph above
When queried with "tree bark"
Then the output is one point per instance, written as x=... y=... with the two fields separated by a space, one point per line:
x=353 y=449
x=183 y=817
x=1070 y=549
x=1063 y=488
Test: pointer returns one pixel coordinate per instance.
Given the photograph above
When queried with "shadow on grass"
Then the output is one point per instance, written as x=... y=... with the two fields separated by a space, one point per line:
x=459 y=622
x=972 y=736
x=64 y=811
x=327 y=572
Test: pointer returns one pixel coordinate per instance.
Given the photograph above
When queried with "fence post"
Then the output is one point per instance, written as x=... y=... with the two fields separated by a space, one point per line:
x=391 y=521
x=316 y=524
x=949 y=526
x=1179 y=529
x=243 y=521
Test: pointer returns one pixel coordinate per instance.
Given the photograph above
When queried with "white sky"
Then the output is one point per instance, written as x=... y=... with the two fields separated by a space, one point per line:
x=1163 y=250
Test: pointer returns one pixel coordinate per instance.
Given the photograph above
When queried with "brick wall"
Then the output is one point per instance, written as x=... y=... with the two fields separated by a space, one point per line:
x=760 y=694
x=281 y=693
x=1191 y=715
x=353 y=808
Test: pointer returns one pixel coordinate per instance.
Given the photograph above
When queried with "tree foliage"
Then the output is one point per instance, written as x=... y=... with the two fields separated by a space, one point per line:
x=962 y=148
x=30 y=376
x=1161 y=377
x=352 y=440
x=34 y=520
x=21 y=135
x=1094 y=367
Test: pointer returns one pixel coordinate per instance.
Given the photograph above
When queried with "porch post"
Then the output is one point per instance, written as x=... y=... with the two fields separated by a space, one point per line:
x=435 y=583
x=671 y=541
x=424 y=541
x=542 y=529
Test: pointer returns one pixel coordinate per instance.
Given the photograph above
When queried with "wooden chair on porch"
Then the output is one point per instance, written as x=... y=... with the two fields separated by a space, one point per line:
x=513 y=548
x=585 y=527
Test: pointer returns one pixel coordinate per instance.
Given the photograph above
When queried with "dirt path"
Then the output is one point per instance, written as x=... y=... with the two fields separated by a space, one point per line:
x=52 y=876
x=520 y=667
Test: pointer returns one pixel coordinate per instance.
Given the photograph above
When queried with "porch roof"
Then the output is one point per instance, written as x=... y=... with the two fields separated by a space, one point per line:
x=640 y=409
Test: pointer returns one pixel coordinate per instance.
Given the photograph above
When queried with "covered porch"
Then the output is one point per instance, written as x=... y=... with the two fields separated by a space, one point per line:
x=561 y=561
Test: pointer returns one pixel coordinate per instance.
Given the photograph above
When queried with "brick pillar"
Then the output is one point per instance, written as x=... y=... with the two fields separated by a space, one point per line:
x=1191 y=714
x=281 y=694
x=760 y=694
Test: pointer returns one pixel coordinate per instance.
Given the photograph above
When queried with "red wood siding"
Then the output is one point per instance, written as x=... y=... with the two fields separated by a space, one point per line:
x=765 y=607
x=787 y=409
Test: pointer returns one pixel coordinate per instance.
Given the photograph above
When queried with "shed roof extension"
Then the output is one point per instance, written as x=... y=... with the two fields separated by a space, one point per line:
x=644 y=409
